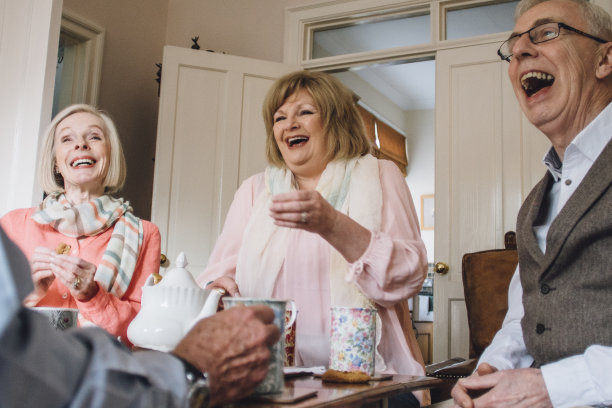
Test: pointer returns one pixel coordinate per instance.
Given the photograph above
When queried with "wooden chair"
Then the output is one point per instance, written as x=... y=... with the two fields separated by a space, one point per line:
x=486 y=277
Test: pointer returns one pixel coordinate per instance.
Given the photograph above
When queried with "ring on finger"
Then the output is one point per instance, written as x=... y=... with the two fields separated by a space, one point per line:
x=76 y=282
x=304 y=217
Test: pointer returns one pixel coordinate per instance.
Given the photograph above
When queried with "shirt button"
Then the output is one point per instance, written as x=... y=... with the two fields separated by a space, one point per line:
x=540 y=328
x=64 y=295
x=568 y=182
x=545 y=289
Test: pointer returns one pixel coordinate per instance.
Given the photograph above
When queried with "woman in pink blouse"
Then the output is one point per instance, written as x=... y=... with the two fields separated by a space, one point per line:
x=109 y=252
x=326 y=224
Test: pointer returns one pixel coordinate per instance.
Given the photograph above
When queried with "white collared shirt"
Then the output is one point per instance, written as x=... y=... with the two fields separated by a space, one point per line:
x=581 y=379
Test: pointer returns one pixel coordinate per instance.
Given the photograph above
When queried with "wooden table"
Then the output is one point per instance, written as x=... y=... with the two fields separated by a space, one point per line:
x=339 y=395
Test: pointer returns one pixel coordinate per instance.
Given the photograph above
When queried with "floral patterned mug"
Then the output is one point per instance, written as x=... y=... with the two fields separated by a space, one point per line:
x=353 y=339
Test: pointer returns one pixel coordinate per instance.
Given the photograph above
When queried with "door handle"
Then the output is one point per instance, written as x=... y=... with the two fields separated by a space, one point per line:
x=441 y=268
x=163 y=260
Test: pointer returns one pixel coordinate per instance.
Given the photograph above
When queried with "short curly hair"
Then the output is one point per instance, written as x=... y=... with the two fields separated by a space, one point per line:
x=52 y=182
x=598 y=19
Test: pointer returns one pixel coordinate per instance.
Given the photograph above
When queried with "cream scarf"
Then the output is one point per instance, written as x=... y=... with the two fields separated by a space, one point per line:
x=91 y=218
x=351 y=187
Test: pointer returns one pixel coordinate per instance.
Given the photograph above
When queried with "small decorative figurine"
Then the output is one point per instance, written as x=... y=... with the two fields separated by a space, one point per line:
x=195 y=45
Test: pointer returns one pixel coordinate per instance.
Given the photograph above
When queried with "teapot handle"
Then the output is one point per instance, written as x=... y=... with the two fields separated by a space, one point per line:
x=153 y=279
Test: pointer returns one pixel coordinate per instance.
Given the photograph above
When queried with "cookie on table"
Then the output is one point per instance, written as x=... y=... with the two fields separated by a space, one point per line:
x=332 y=375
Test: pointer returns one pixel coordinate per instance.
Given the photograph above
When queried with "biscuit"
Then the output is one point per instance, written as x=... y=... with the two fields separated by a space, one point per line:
x=62 y=249
x=345 y=376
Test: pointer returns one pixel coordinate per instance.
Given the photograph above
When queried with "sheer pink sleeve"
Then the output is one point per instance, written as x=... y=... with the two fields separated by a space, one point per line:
x=394 y=265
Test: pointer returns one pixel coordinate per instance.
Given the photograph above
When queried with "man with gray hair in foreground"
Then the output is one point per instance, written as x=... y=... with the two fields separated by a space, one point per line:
x=555 y=345
x=41 y=367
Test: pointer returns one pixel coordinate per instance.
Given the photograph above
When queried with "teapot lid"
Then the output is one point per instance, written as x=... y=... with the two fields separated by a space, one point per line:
x=179 y=276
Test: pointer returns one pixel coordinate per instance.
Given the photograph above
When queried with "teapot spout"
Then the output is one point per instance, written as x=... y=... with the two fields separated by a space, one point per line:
x=210 y=306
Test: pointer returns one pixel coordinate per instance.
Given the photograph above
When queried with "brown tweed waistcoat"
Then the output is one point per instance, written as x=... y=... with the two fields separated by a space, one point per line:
x=567 y=292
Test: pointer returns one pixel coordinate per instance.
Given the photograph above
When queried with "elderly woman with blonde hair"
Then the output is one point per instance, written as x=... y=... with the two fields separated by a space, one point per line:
x=327 y=224
x=86 y=248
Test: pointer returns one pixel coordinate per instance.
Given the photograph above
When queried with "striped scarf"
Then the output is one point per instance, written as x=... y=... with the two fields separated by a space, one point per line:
x=92 y=218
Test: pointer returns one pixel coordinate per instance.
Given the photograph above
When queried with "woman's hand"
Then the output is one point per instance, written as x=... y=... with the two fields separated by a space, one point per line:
x=304 y=209
x=226 y=283
x=76 y=274
x=42 y=275
x=308 y=210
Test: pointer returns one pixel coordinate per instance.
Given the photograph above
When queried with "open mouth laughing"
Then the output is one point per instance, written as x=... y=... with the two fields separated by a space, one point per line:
x=297 y=140
x=535 y=81
x=83 y=162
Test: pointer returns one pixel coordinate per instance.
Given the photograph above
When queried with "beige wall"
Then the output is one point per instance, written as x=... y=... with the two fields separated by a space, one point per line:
x=135 y=32
x=248 y=28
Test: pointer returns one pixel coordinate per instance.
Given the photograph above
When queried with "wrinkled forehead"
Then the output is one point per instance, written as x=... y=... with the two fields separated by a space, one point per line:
x=80 y=120
x=557 y=11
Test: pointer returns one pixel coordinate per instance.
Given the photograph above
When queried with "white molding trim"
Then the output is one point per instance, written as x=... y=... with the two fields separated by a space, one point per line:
x=90 y=39
x=29 y=33
x=301 y=21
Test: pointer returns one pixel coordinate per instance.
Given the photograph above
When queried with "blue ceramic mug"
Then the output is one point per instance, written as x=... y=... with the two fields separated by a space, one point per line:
x=275 y=379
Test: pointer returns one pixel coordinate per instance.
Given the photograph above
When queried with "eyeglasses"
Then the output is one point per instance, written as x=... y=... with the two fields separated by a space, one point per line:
x=539 y=34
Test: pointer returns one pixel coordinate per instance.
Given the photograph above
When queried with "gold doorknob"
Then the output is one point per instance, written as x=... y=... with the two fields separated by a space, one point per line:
x=441 y=268
x=163 y=260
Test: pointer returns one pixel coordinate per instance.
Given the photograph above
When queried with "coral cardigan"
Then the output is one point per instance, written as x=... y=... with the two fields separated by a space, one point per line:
x=104 y=310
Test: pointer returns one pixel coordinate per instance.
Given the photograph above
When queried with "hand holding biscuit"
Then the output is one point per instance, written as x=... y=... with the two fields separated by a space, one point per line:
x=76 y=274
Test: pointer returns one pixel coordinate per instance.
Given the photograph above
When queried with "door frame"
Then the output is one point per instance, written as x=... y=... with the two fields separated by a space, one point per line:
x=89 y=47
x=302 y=21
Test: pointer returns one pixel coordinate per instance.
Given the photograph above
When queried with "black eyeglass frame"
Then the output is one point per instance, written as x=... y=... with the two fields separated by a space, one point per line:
x=508 y=57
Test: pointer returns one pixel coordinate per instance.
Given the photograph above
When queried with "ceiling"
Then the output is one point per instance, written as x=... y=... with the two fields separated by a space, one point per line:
x=410 y=86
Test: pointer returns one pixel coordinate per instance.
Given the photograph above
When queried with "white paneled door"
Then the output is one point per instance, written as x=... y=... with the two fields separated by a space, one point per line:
x=486 y=160
x=210 y=138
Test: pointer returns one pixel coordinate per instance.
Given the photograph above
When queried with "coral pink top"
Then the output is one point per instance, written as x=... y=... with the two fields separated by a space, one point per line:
x=104 y=310
x=391 y=270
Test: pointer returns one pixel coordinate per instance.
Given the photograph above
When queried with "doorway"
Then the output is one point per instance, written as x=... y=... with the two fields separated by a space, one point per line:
x=79 y=62
x=402 y=95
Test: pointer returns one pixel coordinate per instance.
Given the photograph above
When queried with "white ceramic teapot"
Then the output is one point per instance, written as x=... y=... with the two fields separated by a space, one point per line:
x=170 y=308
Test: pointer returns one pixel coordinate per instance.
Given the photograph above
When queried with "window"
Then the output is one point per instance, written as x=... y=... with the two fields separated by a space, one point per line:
x=392 y=145
x=471 y=21
x=362 y=36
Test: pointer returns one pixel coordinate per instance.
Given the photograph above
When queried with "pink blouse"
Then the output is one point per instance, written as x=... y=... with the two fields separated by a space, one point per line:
x=104 y=309
x=391 y=270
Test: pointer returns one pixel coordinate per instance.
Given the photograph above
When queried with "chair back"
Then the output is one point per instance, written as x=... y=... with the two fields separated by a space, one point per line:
x=486 y=277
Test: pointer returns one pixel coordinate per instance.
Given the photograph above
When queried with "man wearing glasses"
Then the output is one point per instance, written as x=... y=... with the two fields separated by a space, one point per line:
x=555 y=345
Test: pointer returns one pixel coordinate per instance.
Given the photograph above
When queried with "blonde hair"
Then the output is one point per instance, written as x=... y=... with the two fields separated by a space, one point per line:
x=345 y=133
x=53 y=182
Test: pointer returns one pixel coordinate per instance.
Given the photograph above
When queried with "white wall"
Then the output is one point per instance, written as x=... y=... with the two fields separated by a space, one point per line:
x=29 y=34
x=421 y=164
